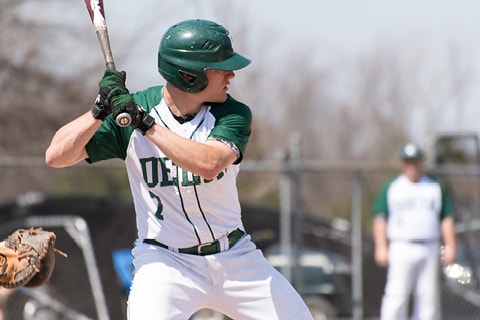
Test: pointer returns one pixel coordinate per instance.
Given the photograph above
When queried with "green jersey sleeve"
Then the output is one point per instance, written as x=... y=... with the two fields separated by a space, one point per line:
x=233 y=123
x=110 y=141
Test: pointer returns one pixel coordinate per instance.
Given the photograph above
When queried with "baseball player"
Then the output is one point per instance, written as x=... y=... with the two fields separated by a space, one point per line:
x=413 y=214
x=182 y=153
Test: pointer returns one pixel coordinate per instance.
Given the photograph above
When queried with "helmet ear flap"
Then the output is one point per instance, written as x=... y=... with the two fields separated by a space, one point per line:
x=185 y=79
x=190 y=78
x=197 y=81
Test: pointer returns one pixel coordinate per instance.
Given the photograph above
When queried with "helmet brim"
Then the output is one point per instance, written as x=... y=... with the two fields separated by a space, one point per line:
x=235 y=62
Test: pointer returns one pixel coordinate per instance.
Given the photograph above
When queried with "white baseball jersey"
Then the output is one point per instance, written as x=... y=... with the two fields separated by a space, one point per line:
x=413 y=209
x=174 y=206
x=182 y=210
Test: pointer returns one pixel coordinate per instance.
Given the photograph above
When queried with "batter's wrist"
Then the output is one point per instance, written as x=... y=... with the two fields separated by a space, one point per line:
x=147 y=122
x=99 y=112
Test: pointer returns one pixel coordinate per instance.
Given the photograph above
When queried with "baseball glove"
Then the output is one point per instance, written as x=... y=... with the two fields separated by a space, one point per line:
x=27 y=258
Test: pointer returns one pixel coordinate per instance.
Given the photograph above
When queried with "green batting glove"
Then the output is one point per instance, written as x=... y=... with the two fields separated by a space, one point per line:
x=111 y=79
x=124 y=105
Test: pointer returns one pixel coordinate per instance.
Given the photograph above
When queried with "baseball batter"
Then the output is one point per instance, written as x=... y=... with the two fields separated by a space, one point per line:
x=413 y=214
x=182 y=153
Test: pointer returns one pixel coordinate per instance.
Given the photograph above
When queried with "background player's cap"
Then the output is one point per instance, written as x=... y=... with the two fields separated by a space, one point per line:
x=411 y=151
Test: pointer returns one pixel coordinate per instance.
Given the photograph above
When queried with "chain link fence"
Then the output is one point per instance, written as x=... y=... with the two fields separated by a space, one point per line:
x=321 y=208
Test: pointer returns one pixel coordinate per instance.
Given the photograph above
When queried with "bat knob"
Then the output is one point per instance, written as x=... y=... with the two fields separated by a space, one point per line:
x=123 y=119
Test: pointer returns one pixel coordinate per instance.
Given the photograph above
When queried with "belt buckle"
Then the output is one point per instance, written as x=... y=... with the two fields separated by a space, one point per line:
x=200 y=246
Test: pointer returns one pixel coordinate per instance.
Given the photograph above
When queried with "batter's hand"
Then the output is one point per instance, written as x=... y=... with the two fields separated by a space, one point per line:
x=122 y=102
x=111 y=80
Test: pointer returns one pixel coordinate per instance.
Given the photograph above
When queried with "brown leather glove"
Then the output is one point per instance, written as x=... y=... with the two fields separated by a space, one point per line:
x=27 y=258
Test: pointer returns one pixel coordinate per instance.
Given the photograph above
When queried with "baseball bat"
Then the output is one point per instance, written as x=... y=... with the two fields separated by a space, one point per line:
x=97 y=14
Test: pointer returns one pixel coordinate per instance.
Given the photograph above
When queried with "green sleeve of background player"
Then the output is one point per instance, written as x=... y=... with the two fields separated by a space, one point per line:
x=380 y=205
x=447 y=207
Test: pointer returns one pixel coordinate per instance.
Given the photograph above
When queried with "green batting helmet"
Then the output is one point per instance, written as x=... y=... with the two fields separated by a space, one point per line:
x=190 y=47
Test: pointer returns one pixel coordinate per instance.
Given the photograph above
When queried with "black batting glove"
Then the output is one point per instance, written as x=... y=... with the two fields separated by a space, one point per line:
x=127 y=112
x=111 y=79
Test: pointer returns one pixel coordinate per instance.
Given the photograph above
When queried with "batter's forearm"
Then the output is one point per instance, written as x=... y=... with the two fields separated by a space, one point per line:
x=68 y=144
x=203 y=159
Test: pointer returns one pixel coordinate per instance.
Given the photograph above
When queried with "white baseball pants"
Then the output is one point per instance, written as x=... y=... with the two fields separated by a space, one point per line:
x=413 y=269
x=238 y=282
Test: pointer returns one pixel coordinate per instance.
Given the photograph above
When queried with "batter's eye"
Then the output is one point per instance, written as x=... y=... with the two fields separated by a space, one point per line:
x=188 y=77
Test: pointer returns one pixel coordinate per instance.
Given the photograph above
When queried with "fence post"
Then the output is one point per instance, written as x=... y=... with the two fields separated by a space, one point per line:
x=356 y=244
x=285 y=223
x=295 y=166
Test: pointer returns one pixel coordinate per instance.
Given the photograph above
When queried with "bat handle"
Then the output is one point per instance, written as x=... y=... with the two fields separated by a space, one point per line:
x=110 y=65
x=123 y=119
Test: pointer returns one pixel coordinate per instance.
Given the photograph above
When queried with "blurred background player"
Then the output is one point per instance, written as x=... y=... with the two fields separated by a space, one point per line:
x=182 y=153
x=412 y=215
